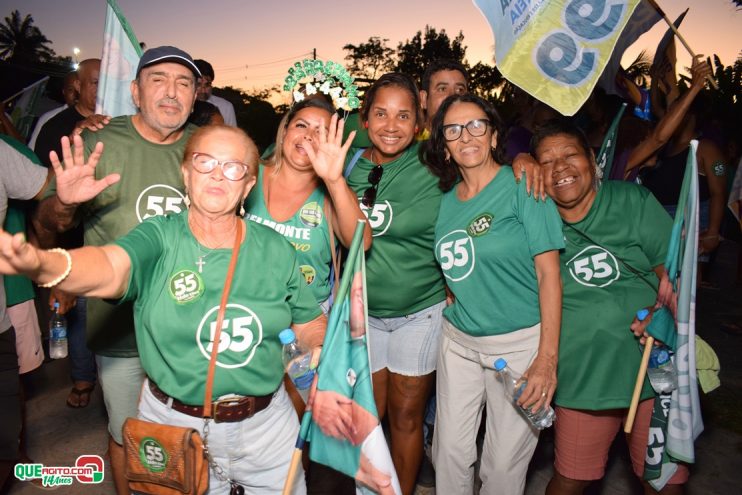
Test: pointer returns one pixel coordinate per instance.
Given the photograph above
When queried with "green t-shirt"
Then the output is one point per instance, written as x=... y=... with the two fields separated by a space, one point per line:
x=176 y=307
x=401 y=272
x=308 y=232
x=486 y=246
x=151 y=184
x=598 y=355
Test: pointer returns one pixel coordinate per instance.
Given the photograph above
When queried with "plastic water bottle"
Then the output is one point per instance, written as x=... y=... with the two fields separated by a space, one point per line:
x=660 y=370
x=544 y=417
x=57 y=334
x=297 y=363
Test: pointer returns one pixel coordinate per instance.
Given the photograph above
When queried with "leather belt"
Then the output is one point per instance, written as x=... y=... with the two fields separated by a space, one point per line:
x=229 y=410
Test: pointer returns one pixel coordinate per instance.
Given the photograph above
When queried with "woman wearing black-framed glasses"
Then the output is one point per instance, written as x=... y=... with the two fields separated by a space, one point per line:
x=498 y=249
x=406 y=293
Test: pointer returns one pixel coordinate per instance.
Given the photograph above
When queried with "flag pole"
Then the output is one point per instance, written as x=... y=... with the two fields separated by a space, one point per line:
x=639 y=384
x=296 y=457
x=654 y=4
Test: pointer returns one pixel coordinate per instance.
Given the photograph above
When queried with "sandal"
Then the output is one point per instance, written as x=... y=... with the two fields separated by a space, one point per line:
x=79 y=397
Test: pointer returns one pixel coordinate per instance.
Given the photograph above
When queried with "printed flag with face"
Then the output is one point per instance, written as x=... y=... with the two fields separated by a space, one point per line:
x=121 y=53
x=341 y=422
x=556 y=50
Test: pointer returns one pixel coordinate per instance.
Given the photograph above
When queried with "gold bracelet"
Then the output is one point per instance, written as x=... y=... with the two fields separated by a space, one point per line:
x=64 y=275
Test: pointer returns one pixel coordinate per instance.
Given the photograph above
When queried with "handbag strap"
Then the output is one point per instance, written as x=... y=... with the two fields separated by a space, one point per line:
x=220 y=318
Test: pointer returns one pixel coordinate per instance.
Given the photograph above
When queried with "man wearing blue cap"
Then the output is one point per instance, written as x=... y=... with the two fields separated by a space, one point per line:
x=141 y=178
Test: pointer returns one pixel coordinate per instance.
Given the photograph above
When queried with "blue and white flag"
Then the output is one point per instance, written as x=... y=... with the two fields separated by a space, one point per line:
x=121 y=53
x=556 y=50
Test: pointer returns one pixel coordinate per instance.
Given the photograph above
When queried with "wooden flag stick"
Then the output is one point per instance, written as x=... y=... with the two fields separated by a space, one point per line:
x=654 y=4
x=639 y=384
x=288 y=487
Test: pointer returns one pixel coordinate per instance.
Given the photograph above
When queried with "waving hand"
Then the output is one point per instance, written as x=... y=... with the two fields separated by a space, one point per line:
x=76 y=182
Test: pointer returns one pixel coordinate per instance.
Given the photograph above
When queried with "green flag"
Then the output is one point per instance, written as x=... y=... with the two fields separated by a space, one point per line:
x=676 y=419
x=608 y=148
x=121 y=53
x=341 y=423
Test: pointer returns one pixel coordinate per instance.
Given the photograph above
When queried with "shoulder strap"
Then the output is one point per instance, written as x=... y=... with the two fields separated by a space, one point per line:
x=220 y=317
x=352 y=162
x=334 y=252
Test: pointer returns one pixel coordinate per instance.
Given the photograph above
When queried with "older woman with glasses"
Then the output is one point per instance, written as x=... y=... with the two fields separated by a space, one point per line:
x=406 y=293
x=174 y=268
x=498 y=249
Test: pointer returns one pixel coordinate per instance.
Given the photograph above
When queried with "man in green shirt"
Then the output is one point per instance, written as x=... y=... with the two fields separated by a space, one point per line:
x=138 y=177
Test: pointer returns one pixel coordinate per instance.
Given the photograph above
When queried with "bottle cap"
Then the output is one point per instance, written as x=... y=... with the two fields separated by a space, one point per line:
x=500 y=364
x=286 y=336
x=641 y=314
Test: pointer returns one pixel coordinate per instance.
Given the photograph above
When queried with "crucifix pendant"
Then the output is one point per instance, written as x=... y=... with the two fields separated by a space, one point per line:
x=200 y=264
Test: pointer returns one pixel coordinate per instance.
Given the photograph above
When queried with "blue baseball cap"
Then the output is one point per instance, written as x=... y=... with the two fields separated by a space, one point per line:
x=163 y=54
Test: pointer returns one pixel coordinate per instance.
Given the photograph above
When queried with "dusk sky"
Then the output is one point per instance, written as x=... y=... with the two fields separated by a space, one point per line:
x=268 y=36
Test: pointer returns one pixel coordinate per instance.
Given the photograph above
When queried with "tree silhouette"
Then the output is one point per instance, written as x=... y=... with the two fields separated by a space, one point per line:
x=369 y=60
x=414 y=54
x=23 y=43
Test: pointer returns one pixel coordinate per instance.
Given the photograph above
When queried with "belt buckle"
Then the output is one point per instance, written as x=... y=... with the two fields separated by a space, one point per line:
x=227 y=401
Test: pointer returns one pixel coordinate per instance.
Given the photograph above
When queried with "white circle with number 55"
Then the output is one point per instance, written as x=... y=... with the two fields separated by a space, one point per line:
x=594 y=267
x=455 y=254
x=242 y=333
x=379 y=217
x=159 y=199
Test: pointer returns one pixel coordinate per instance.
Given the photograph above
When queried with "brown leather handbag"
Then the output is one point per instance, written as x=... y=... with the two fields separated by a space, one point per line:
x=171 y=460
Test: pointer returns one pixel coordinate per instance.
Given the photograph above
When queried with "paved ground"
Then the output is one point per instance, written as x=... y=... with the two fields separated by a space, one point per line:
x=57 y=435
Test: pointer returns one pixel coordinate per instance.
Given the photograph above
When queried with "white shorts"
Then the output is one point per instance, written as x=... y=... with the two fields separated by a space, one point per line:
x=406 y=345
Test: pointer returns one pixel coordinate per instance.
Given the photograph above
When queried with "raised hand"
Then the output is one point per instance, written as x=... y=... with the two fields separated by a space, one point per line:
x=16 y=255
x=329 y=159
x=76 y=182
x=700 y=71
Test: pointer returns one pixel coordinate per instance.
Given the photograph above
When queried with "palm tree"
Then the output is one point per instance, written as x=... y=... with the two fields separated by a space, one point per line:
x=22 y=42
x=638 y=71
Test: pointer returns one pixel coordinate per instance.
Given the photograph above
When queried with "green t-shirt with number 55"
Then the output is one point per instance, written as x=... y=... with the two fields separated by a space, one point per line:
x=176 y=300
x=151 y=184
x=401 y=272
x=486 y=246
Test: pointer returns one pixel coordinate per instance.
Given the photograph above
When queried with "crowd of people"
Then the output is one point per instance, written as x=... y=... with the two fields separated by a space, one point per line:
x=484 y=239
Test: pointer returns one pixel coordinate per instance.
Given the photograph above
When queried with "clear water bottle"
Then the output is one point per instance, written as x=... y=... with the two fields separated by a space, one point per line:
x=660 y=370
x=297 y=363
x=57 y=334
x=514 y=386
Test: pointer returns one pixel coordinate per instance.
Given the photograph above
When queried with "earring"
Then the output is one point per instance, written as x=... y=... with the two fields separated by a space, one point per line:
x=187 y=200
x=242 y=210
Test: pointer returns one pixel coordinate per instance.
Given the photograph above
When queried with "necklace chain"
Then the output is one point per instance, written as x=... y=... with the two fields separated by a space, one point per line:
x=201 y=255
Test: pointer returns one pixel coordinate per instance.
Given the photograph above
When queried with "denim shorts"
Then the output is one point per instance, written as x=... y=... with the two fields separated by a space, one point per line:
x=406 y=345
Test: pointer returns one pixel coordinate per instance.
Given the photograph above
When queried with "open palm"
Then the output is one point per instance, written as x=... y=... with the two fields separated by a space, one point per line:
x=76 y=182
x=329 y=159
